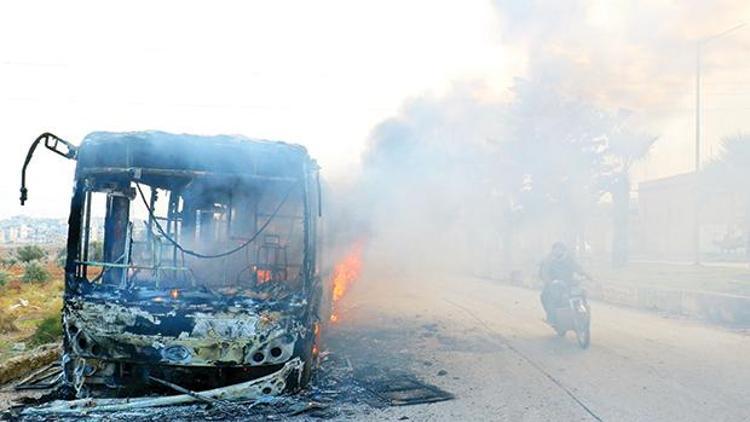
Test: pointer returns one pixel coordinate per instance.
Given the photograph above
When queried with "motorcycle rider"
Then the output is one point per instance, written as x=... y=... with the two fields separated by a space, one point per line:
x=558 y=265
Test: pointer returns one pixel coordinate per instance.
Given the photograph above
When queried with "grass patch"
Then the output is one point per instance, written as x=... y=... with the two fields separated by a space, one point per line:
x=43 y=301
x=48 y=331
x=707 y=278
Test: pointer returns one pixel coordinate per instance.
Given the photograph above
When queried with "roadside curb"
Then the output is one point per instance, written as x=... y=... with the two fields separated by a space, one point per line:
x=719 y=308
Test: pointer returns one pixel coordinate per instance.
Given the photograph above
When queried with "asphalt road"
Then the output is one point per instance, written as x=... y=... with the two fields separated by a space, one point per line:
x=504 y=363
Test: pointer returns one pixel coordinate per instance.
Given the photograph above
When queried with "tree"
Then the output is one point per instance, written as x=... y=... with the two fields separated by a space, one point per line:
x=468 y=174
x=566 y=154
x=555 y=144
x=29 y=253
x=624 y=148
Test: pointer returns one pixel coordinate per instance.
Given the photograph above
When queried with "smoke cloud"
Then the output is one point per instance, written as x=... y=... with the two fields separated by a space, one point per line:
x=626 y=54
x=482 y=181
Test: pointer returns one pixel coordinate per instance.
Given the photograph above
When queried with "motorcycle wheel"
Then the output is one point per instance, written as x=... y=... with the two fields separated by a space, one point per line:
x=583 y=330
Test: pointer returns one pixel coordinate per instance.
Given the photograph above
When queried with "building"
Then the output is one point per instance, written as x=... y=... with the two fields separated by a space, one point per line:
x=667 y=210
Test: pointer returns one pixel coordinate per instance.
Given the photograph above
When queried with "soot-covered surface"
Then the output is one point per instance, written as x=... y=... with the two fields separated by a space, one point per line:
x=361 y=372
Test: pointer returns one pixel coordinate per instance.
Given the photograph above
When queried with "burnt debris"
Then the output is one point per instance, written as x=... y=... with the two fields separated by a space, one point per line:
x=337 y=389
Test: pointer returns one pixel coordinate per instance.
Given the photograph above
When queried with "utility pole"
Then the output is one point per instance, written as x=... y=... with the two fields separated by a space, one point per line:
x=696 y=211
x=696 y=181
x=698 y=107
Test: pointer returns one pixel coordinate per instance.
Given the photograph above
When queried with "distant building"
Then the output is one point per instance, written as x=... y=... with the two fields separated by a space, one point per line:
x=667 y=213
x=21 y=230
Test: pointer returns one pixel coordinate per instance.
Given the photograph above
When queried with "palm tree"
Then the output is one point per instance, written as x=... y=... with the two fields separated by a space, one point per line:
x=624 y=148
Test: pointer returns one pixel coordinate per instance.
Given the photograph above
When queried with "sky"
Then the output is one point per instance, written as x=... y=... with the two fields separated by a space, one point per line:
x=325 y=73
x=317 y=73
x=639 y=56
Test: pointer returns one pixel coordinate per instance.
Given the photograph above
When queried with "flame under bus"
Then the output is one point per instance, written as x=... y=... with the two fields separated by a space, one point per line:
x=190 y=259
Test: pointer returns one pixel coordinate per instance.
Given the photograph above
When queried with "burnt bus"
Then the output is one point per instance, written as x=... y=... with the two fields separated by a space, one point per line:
x=190 y=260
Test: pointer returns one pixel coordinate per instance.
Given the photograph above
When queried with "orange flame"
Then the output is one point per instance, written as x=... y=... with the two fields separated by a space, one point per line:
x=345 y=273
x=263 y=276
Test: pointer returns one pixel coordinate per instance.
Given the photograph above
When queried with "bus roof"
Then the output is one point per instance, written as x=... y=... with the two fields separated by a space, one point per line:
x=192 y=153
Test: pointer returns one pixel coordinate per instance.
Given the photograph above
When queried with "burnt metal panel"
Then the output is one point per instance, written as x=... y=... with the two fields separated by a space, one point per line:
x=403 y=390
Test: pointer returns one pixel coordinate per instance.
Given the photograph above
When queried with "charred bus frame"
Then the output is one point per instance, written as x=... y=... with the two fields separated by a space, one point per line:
x=215 y=282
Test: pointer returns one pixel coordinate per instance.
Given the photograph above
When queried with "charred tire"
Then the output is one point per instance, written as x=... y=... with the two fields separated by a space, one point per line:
x=307 y=370
x=67 y=365
x=310 y=361
x=304 y=351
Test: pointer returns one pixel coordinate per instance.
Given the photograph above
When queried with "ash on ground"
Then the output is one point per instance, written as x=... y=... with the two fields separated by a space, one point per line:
x=352 y=380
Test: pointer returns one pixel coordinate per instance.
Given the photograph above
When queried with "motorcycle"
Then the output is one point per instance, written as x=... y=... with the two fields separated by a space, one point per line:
x=572 y=313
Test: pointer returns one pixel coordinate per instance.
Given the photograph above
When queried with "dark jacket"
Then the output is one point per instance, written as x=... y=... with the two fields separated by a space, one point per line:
x=563 y=269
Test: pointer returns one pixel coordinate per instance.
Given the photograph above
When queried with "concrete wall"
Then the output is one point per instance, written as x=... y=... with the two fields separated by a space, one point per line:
x=714 y=307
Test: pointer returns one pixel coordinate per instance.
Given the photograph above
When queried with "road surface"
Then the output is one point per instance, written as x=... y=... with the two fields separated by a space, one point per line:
x=503 y=363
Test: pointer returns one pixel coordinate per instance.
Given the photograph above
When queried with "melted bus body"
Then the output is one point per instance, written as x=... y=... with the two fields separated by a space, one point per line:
x=191 y=259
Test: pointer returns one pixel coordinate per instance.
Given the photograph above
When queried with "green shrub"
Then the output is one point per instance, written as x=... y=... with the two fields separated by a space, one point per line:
x=8 y=261
x=34 y=273
x=48 y=331
x=30 y=253
x=4 y=278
